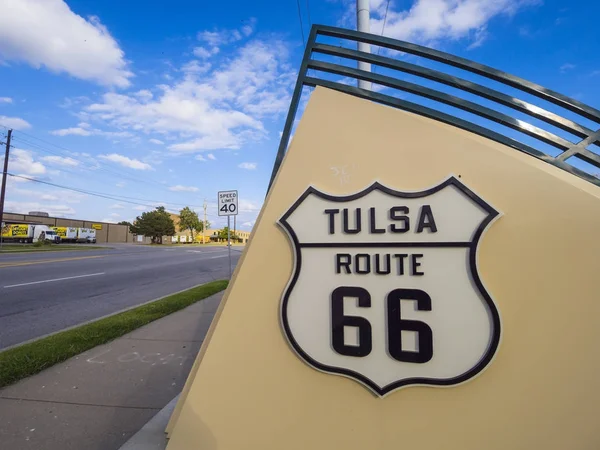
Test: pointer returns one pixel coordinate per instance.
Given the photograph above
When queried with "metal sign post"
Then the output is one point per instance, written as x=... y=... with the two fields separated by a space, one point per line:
x=229 y=242
x=228 y=206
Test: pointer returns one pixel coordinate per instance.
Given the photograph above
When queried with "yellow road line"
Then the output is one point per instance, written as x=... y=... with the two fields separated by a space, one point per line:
x=47 y=261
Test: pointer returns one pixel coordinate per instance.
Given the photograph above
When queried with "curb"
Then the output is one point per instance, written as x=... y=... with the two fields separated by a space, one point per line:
x=100 y=318
x=152 y=435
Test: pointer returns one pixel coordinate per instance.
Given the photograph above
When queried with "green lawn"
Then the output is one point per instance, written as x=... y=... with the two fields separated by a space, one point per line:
x=28 y=359
x=29 y=248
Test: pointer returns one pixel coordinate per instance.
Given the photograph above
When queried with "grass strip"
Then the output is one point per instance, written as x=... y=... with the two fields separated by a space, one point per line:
x=28 y=359
x=7 y=248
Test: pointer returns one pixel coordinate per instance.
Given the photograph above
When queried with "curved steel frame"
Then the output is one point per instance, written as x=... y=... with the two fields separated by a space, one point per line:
x=568 y=149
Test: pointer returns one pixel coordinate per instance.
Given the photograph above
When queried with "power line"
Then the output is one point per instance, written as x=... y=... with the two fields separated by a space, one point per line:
x=69 y=154
x=87 y=166
x=308 y=13
x=301 y=26
x=81 y=191
x=84 y=165
x=384 y=20
x=106 y=196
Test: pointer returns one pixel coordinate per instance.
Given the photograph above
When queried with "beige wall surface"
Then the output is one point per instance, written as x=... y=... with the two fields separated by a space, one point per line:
x=117 y=233
x=539 y=262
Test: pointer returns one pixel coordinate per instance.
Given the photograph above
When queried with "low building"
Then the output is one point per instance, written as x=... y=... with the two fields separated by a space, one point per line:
x=112 y=232
x=105 y=232
x=216 y=236
x=210 y=235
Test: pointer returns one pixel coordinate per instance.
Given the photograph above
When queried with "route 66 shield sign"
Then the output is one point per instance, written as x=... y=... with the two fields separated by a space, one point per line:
x=385 y=288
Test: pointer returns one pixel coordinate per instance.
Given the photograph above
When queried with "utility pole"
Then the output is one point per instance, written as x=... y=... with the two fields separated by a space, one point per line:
x=204 y=224
x=363 y=24
x=4 y=177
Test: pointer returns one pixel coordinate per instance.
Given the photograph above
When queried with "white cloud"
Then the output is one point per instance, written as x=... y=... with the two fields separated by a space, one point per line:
x=109 y=220
x=430 y=21
x=120 y=184
x=144 y=94
x=127 y=162
x=47 y=33
x=180 y=188
x=22 y=162
x=248 y=212
x=115 y=214
x=222 y=108
x=248 y=206
x=194 y=67
x=69 y=102
x=141 y=208
x=220 y=37
x=567 y=66
x=247 y=165
x=200 y=158
x=72 y=197
x=6 y=100
x=156 y=141
x=211 y=156
x=117 y=206
x=61 y=161
x=248 y=29
x=14 y=122
x=54 y=210
x=83 y=129
x=76 y=131
x=204 y=53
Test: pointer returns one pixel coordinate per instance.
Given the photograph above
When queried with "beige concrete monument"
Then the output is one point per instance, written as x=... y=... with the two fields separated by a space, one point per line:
x=407 y=285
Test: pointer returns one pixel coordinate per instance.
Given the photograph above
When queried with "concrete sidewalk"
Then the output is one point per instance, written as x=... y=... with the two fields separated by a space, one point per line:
x=99 y=399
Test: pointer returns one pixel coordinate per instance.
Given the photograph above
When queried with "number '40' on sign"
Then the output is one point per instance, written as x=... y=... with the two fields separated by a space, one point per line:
x=228 y=203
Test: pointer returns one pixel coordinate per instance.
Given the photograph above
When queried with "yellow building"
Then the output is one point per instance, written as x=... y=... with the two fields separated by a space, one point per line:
x=213 y=235
x=210 y=235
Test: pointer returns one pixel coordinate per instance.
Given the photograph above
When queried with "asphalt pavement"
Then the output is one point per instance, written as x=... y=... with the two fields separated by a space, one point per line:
x=42 y=293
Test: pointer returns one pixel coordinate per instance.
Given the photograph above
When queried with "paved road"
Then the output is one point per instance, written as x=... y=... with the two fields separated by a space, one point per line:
x=41 y=293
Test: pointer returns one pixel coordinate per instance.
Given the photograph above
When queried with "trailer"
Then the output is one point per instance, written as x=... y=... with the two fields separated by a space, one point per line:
x=67 y=234
x=26 y=233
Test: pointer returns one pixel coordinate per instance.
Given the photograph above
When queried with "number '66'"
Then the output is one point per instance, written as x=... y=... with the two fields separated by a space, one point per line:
x=395 y=324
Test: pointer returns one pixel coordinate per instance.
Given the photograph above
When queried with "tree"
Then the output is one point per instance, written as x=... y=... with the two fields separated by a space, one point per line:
x=188 y=220
x=154 y=224
x=223 y=234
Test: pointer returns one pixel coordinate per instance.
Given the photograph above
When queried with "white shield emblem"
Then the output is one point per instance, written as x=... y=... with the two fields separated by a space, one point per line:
x=385 y=288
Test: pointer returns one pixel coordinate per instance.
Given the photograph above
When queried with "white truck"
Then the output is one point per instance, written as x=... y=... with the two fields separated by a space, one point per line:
x=44 y=232
x=67 y=234
x=87 y=235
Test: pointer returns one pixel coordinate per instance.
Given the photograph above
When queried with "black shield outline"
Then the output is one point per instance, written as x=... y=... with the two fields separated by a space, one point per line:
x=381 y=392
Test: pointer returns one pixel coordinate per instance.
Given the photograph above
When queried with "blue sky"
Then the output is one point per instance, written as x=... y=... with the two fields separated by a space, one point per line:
x=153 y=102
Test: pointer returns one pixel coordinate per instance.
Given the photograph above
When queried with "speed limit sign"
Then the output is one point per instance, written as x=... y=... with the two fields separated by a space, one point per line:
x=228 y=203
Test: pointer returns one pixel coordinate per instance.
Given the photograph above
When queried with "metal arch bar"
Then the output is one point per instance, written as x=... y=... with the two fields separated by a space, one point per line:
x=589 y=157
x=461 y=63
x=459 y=83
x=450 y=120
x=577 y=150
x=580 y=146
x=447 y=99
x=287 y=129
